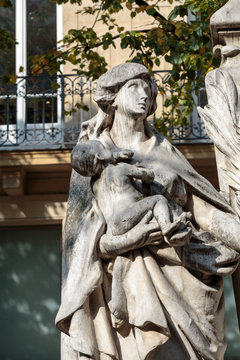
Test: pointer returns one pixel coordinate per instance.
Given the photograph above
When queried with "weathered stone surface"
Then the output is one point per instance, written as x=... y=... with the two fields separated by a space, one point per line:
x=225 y=23
x=222 y=114
x=146 y=243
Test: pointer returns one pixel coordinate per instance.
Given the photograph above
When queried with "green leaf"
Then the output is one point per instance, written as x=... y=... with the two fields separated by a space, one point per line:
x=5 y=79
x=13 y=78
x=167 y=102
x=82 y=106
x=151 y=11
x=5 y=3
x=157 y=62
x=174 y=13
x=191 y=74
x=175 y=75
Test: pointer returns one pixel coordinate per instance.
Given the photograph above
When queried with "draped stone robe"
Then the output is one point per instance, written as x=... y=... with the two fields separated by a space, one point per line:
x=155 y=302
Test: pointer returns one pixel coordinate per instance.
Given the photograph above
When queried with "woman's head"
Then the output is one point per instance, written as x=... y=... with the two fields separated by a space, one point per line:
x=116 y=81
x=110 y=87
x=134 y=99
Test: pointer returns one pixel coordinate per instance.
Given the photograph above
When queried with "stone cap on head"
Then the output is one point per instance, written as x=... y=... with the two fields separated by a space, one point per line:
x=109 y=83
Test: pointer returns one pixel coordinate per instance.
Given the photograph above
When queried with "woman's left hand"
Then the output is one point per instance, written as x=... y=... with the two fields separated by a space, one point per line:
x=146 y=232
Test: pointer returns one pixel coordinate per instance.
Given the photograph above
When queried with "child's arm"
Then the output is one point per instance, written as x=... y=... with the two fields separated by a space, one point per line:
x=122 y=155
x=137 y=172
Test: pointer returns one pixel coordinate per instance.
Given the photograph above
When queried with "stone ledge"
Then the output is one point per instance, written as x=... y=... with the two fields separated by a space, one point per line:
x=32 y=209
x=35 y=158
x=197 y=151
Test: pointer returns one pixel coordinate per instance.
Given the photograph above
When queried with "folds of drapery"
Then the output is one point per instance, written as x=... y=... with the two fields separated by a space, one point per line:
x=106 y=327
x=127 y=310
x=85 y=271
x=152 y=295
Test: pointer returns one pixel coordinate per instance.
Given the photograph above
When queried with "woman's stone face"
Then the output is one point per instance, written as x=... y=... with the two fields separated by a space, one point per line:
x=134 y=98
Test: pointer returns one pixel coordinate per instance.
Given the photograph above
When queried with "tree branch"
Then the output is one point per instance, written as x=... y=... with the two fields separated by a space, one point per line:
x=156 y=14
x=159 y=17
x=98 y=12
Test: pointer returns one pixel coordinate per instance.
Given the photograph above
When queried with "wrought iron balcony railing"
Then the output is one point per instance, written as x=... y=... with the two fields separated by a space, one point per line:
x=40 y=112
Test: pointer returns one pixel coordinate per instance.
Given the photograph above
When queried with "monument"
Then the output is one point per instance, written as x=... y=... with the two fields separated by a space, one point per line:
x=147 y=240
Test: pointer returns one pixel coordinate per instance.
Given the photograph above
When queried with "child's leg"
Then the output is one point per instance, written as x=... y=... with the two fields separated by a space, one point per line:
x=129 y=217
x=121 y=223
x=161 y=212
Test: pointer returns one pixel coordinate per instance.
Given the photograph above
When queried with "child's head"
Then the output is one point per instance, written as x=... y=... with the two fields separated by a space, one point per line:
x=89 y=158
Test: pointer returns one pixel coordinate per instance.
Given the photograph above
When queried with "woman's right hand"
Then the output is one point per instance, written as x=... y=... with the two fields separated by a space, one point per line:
x=149 y=229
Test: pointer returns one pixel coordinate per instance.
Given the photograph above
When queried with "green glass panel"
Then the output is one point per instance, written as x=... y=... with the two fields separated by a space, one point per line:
x=7 y=55
x=30 y=294
x=232 y=330
x=41 y=28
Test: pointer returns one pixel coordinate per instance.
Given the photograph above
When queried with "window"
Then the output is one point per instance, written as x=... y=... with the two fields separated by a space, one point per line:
x=30 y=109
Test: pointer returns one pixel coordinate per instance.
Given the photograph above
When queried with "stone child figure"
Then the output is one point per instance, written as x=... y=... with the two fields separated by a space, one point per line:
x=126 y=294
x=122 y=205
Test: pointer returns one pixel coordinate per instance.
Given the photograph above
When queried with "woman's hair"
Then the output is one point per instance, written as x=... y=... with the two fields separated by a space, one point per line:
x=108 y=86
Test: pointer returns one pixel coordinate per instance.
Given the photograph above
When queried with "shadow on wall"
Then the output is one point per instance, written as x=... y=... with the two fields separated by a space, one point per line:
x=30 y=294
x=232 y=330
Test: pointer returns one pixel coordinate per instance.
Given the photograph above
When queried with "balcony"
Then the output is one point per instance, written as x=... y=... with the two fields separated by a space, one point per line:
x=45 y=112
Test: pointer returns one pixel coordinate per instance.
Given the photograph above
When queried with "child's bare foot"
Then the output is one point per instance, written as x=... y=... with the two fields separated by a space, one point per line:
x=171 y=228
x=179 y=233
x=185 y=219
x=182 y=237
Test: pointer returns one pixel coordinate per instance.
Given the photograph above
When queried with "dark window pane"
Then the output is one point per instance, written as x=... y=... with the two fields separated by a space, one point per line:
x=7 y=56
x=30 y=294
x=41 y=110
x=41 y=102
x=41 y=28
x=7 y=110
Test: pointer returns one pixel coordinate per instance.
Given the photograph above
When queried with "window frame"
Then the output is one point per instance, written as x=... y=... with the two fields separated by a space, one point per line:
x=13 y=130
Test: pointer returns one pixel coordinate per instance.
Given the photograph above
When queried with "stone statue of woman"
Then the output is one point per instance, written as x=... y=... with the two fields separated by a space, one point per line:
x=135 y=293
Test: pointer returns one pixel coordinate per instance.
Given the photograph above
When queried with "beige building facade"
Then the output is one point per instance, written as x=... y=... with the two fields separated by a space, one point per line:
x=71 y=19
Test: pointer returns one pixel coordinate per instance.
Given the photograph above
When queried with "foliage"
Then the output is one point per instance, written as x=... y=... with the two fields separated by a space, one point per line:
x=185 y=45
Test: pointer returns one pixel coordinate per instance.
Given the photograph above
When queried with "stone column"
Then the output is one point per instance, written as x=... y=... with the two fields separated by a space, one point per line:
x=222 y=114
